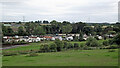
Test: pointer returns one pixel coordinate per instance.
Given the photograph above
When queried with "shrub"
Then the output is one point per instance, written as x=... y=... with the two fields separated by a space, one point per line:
x=111 y=42
x=92 y=42
x=82 y=45
x=70 y=46
x=106 y=43
x=76 y=45
x=44 y=48
x=53 y=47
x=65 y=45
x=59 y=45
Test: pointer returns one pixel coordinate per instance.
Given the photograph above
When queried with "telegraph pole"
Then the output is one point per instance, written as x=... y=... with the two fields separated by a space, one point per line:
x=23 y=19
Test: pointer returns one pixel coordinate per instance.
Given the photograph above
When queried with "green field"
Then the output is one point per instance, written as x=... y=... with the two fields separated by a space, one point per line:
x=29 y=47
x=65 y=58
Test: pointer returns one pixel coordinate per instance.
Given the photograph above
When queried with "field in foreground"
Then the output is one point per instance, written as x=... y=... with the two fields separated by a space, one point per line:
x=66 y=58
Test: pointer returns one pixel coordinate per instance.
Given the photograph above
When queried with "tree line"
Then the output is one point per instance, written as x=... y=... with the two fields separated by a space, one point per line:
x=65 y=27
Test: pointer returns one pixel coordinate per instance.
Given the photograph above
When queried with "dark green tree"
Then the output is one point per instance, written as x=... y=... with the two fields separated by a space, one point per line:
x=21 y=31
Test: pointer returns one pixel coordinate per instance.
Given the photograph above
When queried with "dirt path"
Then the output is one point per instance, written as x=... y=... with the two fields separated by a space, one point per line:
x=14 y=46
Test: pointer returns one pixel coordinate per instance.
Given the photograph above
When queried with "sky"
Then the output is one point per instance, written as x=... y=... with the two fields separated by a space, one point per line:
x=94 y=11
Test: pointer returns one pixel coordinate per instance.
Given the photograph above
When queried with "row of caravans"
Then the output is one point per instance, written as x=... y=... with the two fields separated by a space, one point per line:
x=41 y=38
x=33 y=38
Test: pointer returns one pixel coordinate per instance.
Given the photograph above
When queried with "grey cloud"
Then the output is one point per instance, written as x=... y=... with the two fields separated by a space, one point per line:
x=97 y=11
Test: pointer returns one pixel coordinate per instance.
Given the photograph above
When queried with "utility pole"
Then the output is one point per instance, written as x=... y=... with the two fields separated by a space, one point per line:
x=23 y=19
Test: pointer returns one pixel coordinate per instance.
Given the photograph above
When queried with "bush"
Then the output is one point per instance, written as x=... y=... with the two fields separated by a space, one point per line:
x=70 y=46
x=106 y=43
x=92 y=42
x=111 y=42
x=66 y=44
x=44 y=48
x=53 y=47
x=76 y=45
x=32 y=54
x=82 y=45
x=59 y=45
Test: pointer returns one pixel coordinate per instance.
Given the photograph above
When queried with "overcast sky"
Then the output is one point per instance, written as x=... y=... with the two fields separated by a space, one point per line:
x=97 y=11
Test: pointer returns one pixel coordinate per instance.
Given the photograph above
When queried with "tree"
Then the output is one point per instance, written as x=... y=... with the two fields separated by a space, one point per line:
x=39 y=31
x=21 y=31
x=77 y=27
x=98 y=30
x=4 y=30
x=30 y=27
x=65 y=22
x=45 y=22
x=44 y=48
x=81 y=36
x=7 y=31
x=66 y=28
x=54 y=28
x=53 y=22
x=88 y=30
x=106 y=30
x=116 y=39
x=53 y=47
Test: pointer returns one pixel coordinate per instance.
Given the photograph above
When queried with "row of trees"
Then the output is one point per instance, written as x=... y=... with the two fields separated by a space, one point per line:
x=33 y=28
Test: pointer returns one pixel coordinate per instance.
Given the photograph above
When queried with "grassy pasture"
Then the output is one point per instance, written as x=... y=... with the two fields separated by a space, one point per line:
x=37 y=45
x=65 y=58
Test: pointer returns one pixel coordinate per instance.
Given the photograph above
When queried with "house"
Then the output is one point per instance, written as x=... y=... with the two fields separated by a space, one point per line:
x=85 y=37
x=7 y=39
x=73 y=35
x=7 y=24
x=48 y=37
x=70 y=38
x=58 y=37
x=100 y=37
x=34 y=39
x=53 y=39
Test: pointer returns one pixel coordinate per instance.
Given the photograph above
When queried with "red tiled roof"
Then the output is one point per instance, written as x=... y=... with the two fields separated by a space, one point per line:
x=47 y=37
x=33 y=37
